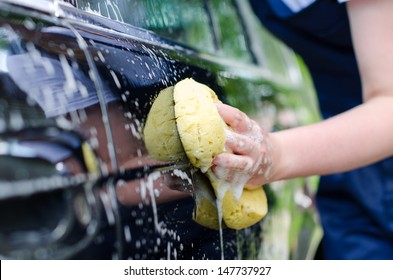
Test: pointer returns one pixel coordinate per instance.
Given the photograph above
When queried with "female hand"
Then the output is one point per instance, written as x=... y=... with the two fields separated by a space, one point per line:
x=251 y=150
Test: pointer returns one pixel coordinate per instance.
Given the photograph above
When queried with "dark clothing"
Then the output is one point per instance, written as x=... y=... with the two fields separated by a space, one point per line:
x=356 y=208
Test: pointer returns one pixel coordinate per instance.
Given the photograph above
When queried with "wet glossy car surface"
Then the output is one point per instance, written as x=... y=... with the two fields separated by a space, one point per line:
x=77 y=81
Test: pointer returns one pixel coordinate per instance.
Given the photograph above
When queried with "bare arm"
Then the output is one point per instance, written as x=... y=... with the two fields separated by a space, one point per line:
x=353 y=139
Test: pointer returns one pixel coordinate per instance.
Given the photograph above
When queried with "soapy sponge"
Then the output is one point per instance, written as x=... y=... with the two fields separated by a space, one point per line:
x=160 y=132
x=185 y=122
x=200 y=127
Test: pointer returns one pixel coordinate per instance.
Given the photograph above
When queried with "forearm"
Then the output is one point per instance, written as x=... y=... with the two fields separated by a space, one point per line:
x=353 y=139
x=350 y=140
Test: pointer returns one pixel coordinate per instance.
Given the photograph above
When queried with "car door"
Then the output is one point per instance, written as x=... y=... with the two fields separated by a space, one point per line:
x=91 y=71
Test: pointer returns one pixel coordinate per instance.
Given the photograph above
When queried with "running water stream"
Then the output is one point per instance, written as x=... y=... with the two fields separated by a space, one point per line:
x=222 y=187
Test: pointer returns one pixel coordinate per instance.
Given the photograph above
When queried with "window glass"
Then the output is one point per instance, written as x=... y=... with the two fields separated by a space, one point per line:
x=229 y=30
x=186 y=22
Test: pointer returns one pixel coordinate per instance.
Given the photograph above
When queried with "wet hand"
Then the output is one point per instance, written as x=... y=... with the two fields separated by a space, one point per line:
x=251 y=151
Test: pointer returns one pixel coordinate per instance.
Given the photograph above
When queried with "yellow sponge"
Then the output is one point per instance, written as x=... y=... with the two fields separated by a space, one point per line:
x=160 y=132
x=200 y=127
x=185 y=117
x=205 y=212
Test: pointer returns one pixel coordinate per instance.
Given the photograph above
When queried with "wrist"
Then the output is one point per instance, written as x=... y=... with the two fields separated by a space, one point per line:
x=277 y=171
x=269 y=167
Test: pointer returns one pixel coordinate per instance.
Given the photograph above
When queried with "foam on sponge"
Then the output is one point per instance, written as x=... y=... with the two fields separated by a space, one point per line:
x=184 y=123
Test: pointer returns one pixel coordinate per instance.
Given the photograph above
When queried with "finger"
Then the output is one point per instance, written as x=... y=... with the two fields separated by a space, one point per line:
x=240 y=144
x=235 y=118
x=233 y=162
x=234 y=177
x=223 y=173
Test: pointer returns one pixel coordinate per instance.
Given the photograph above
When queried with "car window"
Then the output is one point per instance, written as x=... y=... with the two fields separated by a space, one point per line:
x=208 y=26
x=228 y=29
x=186 y=22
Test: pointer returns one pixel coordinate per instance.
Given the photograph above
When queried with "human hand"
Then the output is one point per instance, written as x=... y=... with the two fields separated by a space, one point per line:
x=251 y=150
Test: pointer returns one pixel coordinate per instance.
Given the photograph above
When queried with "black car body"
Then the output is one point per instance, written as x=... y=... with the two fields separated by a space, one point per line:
x=77 y=81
